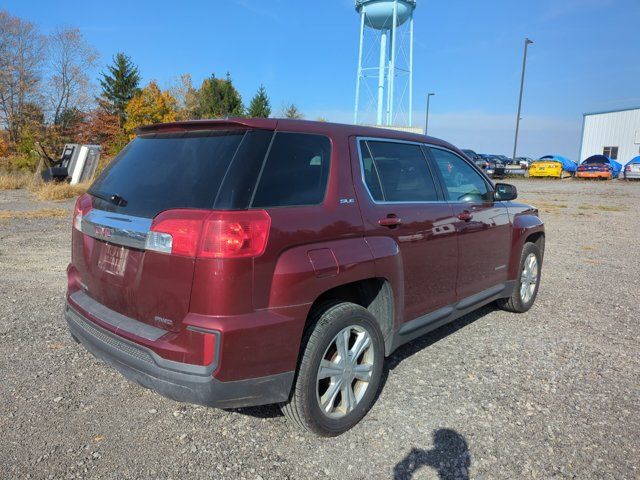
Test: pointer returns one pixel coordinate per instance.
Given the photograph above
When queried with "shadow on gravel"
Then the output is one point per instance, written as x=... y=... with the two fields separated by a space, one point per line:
x=262 y=411
x=450 y=457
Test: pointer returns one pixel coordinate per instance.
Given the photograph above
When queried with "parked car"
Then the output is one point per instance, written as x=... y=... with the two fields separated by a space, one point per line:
x=632 y=169
x=599 y=166
x=555 y=166
x=471 y=154
x=524 y=162
x=506 y=160
x=479 y=160
x=495 y=167
x=244 y=262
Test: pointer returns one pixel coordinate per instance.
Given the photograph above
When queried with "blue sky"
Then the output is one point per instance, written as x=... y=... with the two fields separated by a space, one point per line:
x=585 y=57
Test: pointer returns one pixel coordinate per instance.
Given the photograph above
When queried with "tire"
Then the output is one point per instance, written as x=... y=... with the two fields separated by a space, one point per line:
x=520 y=302
x=320 y=344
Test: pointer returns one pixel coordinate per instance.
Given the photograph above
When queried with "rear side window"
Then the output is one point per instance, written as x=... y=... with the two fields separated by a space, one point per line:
x=295 y=172
x=402 y=173
x=158 y=172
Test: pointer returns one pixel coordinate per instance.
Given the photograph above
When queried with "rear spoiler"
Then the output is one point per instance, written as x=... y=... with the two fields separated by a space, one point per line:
x=258 y=123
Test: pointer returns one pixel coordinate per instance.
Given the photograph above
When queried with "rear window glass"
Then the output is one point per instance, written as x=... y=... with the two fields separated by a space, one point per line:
x=163 y=171
x=295 y=172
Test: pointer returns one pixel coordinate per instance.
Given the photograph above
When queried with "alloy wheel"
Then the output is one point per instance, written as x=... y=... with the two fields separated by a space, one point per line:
x=529 y=278
x=345 y=372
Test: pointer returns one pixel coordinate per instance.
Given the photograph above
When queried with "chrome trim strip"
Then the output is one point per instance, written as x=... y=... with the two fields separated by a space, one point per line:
x=118 y=321
x=117 y=228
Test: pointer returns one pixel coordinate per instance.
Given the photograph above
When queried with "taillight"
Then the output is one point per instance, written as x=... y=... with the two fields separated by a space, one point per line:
x=206 y=234
x=83 y=206
x=627 y=168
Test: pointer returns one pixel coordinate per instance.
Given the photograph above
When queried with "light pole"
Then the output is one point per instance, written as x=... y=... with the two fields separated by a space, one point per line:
x=426 y=122
x=524 y=67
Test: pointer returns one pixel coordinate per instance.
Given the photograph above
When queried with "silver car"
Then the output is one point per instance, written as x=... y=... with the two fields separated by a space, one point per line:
x=632 y=169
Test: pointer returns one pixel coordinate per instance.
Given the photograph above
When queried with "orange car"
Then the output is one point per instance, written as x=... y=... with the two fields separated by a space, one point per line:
x=599 y=166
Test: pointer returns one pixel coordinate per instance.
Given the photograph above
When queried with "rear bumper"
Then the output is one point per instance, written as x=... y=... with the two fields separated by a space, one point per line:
x=179 y=381
x=547 y=173
x=593 y=175
x=632 y=175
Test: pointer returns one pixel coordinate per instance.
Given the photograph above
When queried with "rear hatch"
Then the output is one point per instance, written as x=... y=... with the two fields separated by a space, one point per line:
x=157 y=172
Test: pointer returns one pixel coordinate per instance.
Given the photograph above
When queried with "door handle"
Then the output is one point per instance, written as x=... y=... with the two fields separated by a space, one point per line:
x=390 y=221
x=465 y=216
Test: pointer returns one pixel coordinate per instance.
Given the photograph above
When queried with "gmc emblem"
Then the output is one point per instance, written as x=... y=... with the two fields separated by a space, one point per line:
x=104 y=232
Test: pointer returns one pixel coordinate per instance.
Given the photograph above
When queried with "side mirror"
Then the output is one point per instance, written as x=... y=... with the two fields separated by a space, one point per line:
x=505 y=192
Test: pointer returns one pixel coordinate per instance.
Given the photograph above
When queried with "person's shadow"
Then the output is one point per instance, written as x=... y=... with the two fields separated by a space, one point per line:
x=450 y=456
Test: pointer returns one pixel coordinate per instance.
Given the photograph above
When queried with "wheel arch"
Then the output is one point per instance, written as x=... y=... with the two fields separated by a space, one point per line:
x=375 y=294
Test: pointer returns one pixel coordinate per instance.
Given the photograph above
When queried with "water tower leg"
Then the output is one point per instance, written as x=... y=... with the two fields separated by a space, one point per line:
x=389 y=100
x=392 y=63
x=359 y=79
x=411 y=71
x=383 y=61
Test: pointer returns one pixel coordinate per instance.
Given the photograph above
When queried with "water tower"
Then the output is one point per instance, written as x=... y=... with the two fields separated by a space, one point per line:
x=386 y=32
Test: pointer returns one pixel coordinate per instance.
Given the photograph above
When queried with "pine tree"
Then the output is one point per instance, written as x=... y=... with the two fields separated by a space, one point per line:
x=120 y=84
x=218 y=98
x=291 y=111
x=260 y=106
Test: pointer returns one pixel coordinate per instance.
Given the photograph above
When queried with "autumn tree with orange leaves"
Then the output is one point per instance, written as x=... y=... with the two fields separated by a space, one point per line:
x=149 y=105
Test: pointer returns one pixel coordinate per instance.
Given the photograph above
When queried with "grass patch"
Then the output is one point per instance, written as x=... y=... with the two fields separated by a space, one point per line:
x=549 y=206
x=604 y=208
x=611 y=208
x=14 y=181
x=42 y=213
x=58 y=190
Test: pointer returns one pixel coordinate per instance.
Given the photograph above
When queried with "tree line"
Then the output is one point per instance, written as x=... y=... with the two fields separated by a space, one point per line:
x=47 y=96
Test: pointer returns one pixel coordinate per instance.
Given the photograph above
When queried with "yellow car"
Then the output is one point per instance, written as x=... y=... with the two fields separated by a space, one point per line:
x=552 y=166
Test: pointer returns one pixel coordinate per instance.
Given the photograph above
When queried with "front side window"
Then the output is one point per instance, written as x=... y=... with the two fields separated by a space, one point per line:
x=295 y=172
x=397 y=172
x=462 y=182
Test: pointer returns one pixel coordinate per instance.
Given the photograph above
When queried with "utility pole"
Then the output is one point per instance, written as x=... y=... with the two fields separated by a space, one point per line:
x=527 y=42
x=426 y=122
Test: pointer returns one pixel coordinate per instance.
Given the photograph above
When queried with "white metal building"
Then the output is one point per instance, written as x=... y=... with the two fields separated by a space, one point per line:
x=615 y=133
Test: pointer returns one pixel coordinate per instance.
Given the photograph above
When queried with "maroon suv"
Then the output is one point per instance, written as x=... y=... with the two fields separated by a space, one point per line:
x=244 y=262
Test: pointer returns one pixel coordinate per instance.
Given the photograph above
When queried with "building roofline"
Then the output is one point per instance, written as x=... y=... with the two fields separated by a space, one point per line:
x=611 y=111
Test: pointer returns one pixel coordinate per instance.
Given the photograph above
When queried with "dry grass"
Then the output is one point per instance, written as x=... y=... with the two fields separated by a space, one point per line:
x=14 y=181
x=550 y=207
x=603 y=208
x=58 y=190
x=42 y=213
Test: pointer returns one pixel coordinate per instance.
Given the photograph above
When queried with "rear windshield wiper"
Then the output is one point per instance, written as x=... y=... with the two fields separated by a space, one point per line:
x=116 y=199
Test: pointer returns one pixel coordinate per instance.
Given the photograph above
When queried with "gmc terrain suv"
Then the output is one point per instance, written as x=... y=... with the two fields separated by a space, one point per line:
x=243 y=262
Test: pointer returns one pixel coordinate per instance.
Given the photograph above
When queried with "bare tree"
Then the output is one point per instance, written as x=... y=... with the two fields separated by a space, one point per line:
x=21 y=58
x=186 y=96
x=70 y=60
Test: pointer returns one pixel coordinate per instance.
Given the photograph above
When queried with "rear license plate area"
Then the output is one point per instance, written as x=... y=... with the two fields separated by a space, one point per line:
x=113 y=259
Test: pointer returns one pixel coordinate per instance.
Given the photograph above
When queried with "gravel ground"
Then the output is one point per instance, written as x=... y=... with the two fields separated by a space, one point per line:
x=551 y=393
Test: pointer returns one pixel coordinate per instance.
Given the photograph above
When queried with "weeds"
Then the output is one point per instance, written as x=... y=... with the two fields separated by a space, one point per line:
x=14 y=181
x=58 y=190
x=42 y=213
